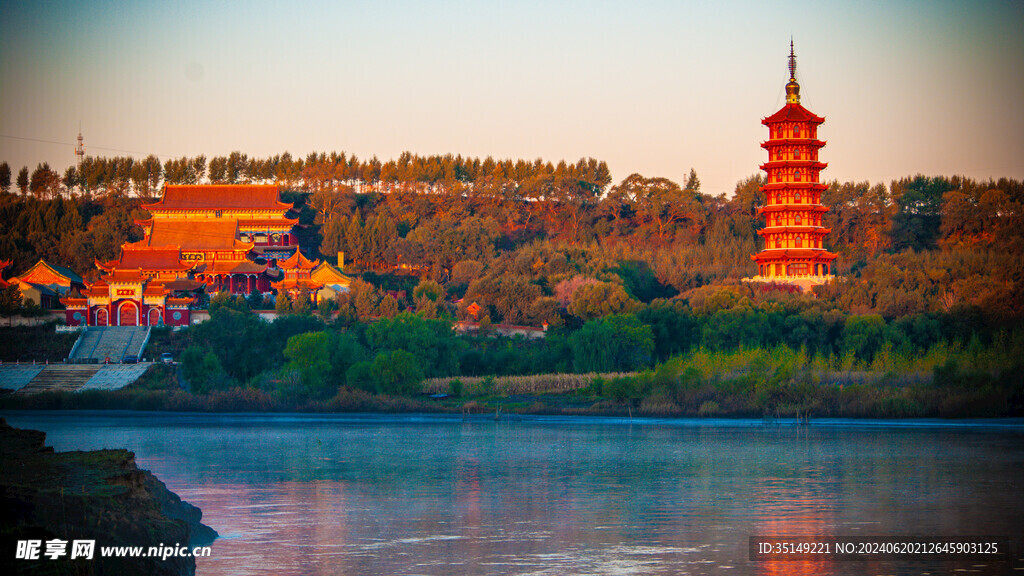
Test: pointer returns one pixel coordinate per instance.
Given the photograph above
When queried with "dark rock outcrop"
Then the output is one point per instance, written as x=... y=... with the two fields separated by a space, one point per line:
x=99 y=495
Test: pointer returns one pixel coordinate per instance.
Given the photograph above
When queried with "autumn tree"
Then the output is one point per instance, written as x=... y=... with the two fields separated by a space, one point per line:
x=594 y=300
x=662 y=202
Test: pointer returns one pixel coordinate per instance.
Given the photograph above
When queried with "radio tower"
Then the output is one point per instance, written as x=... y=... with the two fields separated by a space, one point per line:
x=80 y=149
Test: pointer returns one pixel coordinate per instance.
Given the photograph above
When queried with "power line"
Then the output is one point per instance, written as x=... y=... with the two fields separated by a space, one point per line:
x=40 y=140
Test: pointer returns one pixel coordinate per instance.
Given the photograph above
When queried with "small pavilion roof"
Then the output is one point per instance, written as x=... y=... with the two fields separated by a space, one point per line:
x=298 y=261
x=327 y=274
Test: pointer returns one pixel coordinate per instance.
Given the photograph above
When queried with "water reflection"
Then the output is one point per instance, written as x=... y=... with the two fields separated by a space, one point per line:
x=401 y=495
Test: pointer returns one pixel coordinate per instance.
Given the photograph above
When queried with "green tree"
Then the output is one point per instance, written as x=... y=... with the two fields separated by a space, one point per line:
x=255 y=299
x=224 y=299
x=360 y=375
x=863 y=336
x=919 y=216
x=432 y=341
x=613 y=343
x=10 y=301
x=397 y=373
x=346 y=351
x=202 y=370
x=310 y=355
x=428 y=289
x=242 y=341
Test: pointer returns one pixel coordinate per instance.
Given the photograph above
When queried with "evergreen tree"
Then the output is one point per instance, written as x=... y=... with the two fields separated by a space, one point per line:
x=5 y=177
x=23 y=180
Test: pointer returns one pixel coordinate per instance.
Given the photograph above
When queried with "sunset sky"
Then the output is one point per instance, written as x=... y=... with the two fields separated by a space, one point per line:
x=655 y=87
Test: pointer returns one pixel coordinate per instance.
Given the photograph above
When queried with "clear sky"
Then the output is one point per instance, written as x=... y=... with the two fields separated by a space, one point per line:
x=655 y=87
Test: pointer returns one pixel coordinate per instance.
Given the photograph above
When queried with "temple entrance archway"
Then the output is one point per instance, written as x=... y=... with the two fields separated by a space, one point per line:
x=128 y=314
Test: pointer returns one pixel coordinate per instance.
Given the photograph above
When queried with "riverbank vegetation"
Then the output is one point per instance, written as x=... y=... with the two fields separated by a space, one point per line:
x=867 y=368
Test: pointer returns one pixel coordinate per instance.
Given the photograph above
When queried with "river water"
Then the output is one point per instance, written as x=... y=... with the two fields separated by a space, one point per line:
x=414 y=494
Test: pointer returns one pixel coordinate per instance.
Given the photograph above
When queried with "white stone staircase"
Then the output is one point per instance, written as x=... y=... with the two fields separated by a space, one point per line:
x=100 y=343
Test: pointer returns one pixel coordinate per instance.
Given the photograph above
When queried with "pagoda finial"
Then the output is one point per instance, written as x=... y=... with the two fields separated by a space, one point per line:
x=792 y=89
x=792 y=61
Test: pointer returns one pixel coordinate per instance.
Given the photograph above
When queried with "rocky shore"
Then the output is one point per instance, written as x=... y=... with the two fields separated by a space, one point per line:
x=99 y=495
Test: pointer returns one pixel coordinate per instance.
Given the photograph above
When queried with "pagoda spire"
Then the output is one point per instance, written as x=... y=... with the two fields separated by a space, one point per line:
x=792 y=89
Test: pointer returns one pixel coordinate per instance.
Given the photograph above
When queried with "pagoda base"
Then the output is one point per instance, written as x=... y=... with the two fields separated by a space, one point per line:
x=804 y=283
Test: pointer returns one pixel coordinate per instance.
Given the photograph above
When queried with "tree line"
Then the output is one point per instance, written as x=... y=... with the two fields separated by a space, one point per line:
x=520 y=237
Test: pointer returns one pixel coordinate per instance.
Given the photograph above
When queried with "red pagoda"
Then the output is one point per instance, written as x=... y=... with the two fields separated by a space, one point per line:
x=794 y=251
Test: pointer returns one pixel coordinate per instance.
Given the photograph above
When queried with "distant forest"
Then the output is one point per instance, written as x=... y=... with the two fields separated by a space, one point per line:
x=519 y=236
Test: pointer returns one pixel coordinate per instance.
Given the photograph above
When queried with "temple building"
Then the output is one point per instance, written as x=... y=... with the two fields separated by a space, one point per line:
x=298 y=271
x=794 y=250
x=218 y=238
x=331 y=279
x=257 y=212
x=44 y=283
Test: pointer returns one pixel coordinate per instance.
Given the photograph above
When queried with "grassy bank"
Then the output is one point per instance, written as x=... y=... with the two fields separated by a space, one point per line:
x=780 y=383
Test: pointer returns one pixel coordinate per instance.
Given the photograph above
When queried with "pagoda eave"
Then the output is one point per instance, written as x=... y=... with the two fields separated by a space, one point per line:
x=793 y=164
x=793 y=112
x=790 y=185
x=774 y=143
x=814 y=230
x=784 y=254
x=788 y=207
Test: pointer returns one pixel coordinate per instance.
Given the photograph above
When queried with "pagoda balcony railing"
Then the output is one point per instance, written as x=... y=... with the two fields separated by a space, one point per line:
x=816 y=277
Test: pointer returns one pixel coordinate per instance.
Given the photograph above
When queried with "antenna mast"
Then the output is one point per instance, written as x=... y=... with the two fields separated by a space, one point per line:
x=80 y=149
